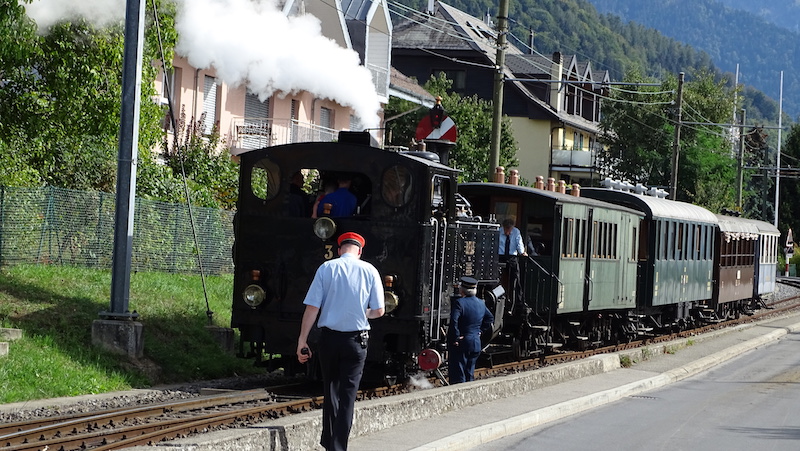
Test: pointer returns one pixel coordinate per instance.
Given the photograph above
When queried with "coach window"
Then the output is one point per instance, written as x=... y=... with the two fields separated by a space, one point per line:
x=614 y=231
x=396 y=186
x=265 y=178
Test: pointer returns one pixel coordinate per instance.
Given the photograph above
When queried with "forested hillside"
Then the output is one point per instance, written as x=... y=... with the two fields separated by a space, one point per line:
x=760 y=47
x=784 y=13
x=609 y=42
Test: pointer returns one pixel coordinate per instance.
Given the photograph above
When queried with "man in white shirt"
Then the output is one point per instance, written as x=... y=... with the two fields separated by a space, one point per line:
x=511 y=247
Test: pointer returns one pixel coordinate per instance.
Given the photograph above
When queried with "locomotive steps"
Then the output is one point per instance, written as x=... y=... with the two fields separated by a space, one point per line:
x=466 y=415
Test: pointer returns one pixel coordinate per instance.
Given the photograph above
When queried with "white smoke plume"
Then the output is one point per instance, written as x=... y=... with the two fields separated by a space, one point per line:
x=419 y=381
x=248 y=42
x=251 y=42
x=47 y=13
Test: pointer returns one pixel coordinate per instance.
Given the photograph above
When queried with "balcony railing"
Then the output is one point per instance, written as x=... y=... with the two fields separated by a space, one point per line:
x=575 y=158
x=249 y=133
x=380 y=78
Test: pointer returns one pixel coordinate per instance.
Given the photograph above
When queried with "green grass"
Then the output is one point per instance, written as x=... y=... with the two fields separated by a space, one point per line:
x=55 y=307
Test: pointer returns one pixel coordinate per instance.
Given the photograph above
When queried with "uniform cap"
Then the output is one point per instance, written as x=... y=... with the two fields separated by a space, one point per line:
x=352 y=238
x=469 y=282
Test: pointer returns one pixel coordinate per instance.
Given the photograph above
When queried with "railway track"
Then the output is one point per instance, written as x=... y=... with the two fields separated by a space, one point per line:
x=143 y=425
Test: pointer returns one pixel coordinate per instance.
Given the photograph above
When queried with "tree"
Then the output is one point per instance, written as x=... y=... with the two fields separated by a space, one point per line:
x=638 y=129
x=473 y=118
x=790 y=188
x=61 y=99
x=60 y=112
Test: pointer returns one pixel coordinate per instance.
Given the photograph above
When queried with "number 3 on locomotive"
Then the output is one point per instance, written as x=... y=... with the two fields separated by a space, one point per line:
x=328 y=251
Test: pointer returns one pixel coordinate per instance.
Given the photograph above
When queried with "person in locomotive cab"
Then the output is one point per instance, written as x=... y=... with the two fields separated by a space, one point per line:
x=299 y=202
x=511 y=247
x=346 y=292
x=469 y=317
x=343 y=202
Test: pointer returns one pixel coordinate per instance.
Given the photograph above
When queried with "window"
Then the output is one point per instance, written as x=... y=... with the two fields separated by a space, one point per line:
x=265 y=179
x=209 y=104
x=568 y=238
x=459 y=77
x=294 y=113
x=355 y=123
x=440 y=196
x=326 y=120
x=396 y=186
x=170 y=92
x=257 y=130
x=326 y=117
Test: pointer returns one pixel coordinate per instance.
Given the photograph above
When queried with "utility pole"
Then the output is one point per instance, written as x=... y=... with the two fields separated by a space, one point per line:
x=118 y=329
x=676 y=144
x=778 y=161
x=500 y=62
x=740 y=162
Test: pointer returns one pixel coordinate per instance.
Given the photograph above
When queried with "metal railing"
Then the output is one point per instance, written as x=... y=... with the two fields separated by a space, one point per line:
x=574 y=158
x=254 y=133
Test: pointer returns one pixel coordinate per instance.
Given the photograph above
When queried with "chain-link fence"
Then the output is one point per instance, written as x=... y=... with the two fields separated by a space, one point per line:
x=61 y=226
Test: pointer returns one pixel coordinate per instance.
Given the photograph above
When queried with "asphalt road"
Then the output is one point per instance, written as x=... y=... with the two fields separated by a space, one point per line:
x=749 y=403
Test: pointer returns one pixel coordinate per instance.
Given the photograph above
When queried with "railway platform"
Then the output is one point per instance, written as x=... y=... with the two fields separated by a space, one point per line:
x=464 y=416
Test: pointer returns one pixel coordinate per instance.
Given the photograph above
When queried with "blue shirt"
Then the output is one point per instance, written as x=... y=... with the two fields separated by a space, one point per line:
x=517 y=245
x=343 y=289
x=343 y=203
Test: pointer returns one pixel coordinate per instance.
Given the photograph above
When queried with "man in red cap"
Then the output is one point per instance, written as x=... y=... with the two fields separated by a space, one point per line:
x=346 y=292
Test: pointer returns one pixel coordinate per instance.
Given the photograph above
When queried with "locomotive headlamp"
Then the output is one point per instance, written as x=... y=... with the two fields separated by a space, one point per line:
x=253 y=295
x=390 y=301
x=324 y=228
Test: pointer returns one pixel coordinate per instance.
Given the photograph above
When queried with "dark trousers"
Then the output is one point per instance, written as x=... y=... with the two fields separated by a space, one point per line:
x=512 y=266
x=461 y=365
x=342 y=360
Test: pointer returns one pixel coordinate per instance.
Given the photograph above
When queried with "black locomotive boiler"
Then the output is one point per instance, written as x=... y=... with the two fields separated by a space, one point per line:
x=419 y=236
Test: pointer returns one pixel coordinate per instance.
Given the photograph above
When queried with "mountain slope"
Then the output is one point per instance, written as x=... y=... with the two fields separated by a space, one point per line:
x=761 y=48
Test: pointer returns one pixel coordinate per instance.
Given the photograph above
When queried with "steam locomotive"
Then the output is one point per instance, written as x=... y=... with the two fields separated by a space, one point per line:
x=605 y=266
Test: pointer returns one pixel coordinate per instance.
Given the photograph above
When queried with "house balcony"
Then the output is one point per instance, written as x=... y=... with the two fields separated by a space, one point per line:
x=248 y=133
x=583 y=160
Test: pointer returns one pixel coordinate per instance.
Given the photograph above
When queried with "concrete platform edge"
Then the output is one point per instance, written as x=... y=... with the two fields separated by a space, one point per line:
x=302 y=431
x=494 y=431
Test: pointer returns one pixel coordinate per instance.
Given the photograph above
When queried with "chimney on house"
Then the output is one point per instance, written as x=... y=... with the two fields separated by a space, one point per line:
x=431 y=7
x=530 y=41
x=556 y=93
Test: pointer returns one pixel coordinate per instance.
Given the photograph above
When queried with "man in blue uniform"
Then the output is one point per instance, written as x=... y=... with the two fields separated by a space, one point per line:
x=469 y=317
x=342 y=201
x=345 y=293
